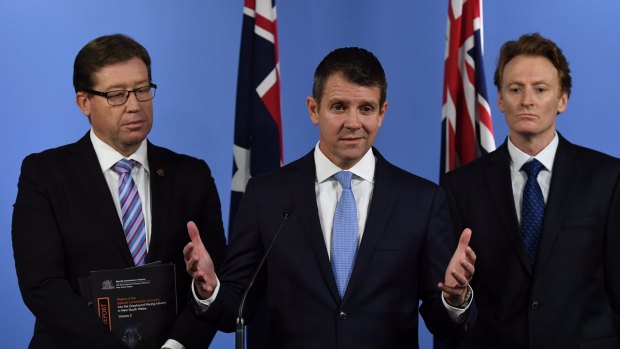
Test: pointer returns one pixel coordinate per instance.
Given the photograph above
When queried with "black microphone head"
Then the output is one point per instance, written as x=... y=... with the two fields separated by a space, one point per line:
x=288 y=209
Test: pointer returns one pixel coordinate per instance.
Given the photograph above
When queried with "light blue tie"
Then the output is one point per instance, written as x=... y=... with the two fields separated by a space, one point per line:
x=532 y=209
x=131 y=209
x=344 y=236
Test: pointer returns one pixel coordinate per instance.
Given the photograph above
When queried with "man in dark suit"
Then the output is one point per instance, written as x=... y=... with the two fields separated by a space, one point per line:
x=68 y=219
x=322 y=292
x=548 y=271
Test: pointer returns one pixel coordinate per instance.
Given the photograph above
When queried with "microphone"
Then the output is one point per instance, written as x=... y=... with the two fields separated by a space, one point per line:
x=240 y=335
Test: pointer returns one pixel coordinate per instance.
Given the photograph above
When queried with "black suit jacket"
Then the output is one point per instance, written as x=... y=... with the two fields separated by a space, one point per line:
x=571 y=296
x=403 y=254
x=65 y=225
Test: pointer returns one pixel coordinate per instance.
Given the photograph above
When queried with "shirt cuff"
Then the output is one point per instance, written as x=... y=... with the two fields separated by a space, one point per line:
x=204 y=304
x=172 y=344
x=458 y=314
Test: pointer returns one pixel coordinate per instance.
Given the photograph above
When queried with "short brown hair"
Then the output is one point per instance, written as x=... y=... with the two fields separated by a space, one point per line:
x=103 y=51
x=534 y=45
x=356 y=64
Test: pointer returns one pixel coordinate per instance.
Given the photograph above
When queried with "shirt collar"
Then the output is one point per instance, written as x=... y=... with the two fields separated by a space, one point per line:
x=108 y=156
x=325 y=169
x=546 y=156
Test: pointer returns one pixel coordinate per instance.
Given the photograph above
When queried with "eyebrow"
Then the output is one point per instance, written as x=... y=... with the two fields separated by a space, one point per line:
x=120 y=87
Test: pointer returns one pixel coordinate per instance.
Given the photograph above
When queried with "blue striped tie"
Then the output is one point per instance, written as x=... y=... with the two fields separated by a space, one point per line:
x=344 y=237
x=532 y=209
x=131 y=209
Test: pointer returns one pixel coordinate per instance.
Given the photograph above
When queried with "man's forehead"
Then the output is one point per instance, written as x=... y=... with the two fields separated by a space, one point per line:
x=530 y=69
x=130 y=72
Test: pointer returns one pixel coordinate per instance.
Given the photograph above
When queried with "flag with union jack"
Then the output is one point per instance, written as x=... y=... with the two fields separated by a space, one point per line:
x=467 y=130
x=258 y=121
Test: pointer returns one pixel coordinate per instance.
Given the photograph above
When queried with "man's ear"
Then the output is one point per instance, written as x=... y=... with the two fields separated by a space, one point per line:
x=83 y=101
x=382 y=113
x=563 y=102
x=500 y=101
x=313 y=110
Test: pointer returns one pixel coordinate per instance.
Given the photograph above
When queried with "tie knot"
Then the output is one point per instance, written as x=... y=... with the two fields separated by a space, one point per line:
x=344 y=178
x=532 y=168
x=124 y=166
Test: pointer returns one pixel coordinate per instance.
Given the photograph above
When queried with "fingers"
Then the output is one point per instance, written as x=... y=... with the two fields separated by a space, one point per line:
x=198 y=263
x=468 y=263
x=470 y=255
x=466 y=268
x=193 y=250
x=461 y=268
x=461 y=279
x=466 y=260
x=454 y=291
x=194 y=234
x=191 y=259
x=465 y=237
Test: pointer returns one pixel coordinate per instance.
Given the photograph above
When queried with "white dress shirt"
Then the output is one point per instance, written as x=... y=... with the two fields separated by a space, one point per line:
x=518 y=177
x=108 y=156
x=328 y=191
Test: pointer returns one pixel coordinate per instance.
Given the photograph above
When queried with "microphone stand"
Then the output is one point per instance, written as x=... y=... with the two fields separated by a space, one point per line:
x=240 y=334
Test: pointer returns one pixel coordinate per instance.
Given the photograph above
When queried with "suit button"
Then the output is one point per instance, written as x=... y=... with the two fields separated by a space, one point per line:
x=535 y=305
x=342 y=315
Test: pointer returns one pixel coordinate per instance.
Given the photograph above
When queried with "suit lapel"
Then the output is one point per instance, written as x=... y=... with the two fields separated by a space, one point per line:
x=301 y=186
x=384 y=196
x=161 y=178
x=499 y=184
x=566 y=171
x=93 y=183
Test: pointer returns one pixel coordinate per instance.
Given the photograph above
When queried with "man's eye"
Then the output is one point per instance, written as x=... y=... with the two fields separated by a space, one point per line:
x=116 y=94
x=367 y=109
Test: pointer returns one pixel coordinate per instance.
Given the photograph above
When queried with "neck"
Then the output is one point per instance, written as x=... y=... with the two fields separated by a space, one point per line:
x=531 y=145
x=127 y=151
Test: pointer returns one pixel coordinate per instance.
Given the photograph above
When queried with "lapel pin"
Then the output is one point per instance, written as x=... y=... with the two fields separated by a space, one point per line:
x=161 y=172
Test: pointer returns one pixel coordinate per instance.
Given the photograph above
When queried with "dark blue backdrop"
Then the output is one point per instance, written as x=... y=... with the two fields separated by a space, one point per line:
x=195 y=45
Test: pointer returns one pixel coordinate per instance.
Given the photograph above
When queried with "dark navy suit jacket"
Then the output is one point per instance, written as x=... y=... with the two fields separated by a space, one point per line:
x=406 y=246
x=570 y=297
x=65 y=225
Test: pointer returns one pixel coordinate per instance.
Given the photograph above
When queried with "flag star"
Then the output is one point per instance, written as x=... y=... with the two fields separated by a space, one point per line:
x=242 y=162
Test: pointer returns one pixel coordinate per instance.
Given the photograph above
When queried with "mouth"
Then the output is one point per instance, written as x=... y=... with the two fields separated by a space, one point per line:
x=526 y=115
x=134 y=124
x=350 y=139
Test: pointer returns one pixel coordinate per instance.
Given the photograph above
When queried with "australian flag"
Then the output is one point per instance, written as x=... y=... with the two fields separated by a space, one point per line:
x=467 y=130
x=258 y=121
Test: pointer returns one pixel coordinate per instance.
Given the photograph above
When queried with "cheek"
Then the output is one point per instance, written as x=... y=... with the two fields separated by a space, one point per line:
x=372 y=126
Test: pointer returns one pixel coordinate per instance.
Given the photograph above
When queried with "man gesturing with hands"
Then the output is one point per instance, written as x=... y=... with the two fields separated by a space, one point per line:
x=361 y=242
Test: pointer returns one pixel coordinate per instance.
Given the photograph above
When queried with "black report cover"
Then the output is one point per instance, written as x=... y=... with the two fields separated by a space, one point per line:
x=137 y=304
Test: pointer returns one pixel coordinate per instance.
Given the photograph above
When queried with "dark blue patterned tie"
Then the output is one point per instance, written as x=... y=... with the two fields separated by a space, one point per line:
x=344 y=236
x=532 y=209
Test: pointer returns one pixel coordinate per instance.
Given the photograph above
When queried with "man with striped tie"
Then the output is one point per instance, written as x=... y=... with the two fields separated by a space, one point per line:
x=111 y=200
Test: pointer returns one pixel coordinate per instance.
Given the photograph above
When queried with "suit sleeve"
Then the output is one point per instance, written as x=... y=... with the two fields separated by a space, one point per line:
x=612 y=256
x=40 y=264
x=455 y=215
x=188 y=329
